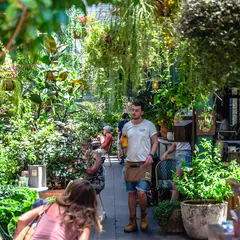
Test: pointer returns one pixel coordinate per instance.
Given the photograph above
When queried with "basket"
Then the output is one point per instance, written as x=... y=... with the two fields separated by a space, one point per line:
x=175 y=223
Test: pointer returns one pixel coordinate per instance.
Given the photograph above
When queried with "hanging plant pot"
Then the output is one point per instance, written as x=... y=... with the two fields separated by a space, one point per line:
x=52 y=75
x=2 y=112
x=77 y=82
x=76 y=36
x=162 y=8
x=9 y=85
x=63 y=76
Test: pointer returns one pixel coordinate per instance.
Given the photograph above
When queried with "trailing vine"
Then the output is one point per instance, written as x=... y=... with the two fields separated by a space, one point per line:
x=123 y=54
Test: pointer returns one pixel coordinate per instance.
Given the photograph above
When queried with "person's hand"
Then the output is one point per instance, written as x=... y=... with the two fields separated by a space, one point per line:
x=148 y=160
x=164 y=156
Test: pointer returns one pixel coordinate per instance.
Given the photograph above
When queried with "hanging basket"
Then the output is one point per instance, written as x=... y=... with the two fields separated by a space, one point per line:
x=52 y=75
x=9 y=85
x=63 y=76
x=175 y=223
x=76 y=36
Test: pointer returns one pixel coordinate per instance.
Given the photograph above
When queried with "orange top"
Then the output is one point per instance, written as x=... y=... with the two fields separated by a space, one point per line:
x=108 y=139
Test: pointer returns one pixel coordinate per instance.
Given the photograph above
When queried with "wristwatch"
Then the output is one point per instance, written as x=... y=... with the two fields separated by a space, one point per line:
x=151 y=155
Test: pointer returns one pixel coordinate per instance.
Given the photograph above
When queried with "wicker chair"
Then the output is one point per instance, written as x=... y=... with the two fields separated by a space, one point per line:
x=164 y=174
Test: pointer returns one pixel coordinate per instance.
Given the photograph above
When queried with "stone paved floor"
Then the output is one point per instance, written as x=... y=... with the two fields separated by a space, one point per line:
x=115 y=202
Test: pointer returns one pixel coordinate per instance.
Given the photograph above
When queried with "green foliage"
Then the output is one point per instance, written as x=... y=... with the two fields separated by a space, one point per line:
x=124 y=53
x=206 y=179
x=112 y=119
x=164 y=210
x=172 y=98
x=22 y=23
x=51 y=199
x=210 y=36
x=10 y=87
x=89 y=119
x=14 y=201
x=8 y=167
x=52 y=143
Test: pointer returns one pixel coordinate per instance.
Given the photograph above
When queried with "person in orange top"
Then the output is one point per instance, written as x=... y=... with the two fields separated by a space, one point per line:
x=106 y=143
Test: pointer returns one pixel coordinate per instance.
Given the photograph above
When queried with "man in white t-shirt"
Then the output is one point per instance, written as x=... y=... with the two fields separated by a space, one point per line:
x=142 y=145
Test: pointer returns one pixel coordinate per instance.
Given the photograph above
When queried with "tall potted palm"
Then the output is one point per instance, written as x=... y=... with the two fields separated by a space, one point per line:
x=206 y=190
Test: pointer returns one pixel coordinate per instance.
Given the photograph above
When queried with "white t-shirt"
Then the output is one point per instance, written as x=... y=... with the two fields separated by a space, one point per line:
x=139 y=140
x=224 y=126
x=183 y=146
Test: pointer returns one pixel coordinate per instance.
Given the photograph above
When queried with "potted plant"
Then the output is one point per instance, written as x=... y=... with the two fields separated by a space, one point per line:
x=206 y=189
x=169 y=217
x=166 y=106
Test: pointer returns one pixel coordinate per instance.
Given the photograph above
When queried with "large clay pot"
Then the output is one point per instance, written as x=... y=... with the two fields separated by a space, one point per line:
x=164 y=132
x=175 y=224
x=197 y=215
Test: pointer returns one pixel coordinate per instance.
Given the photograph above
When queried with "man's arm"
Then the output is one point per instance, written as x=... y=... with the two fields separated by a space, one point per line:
x=149 y=159
x=170 y=150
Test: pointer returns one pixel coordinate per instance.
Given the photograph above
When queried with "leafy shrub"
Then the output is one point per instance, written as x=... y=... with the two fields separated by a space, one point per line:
x=89 y=120
x=14 y=201
x=211 y=30
x=207 y=177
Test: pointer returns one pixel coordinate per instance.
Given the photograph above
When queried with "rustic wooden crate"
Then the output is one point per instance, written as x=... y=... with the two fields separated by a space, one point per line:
x=183 y=131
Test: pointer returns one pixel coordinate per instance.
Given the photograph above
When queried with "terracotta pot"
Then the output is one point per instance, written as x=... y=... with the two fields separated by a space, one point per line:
x=164 y=132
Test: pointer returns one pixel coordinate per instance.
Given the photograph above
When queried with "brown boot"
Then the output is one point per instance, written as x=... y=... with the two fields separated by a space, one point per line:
x=144 y=220
x=132 y=226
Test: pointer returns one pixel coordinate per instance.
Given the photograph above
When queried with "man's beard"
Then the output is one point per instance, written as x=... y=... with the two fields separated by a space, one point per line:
x=136 y=118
